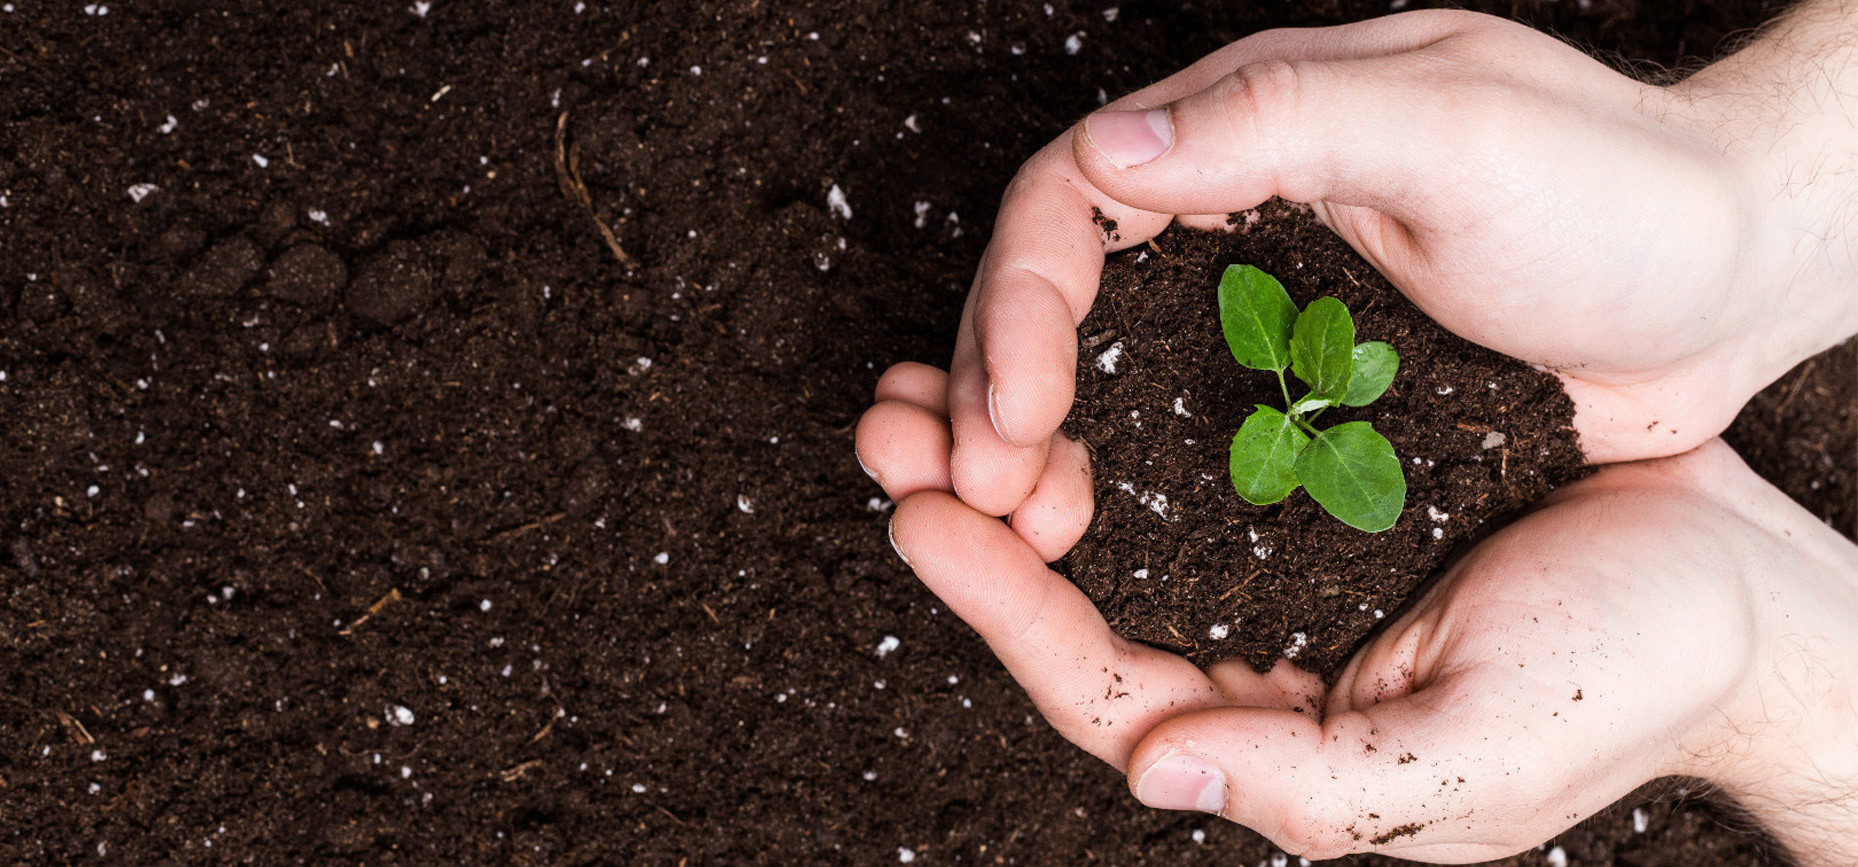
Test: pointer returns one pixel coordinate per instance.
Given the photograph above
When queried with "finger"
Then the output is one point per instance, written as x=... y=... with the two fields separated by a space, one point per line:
x=1159 y=153
x=1392 y=34
x=915 y=383
x=989 y=473
x=1098 y=690
x=1471 y=769
x=1358 y=131
x=1388 y=668
x=1376 y=120
x=1058 y=511
x=1035 y=284
x=904 y=448
x=1206 y=222
x=1284 y=687
x=1026 y=322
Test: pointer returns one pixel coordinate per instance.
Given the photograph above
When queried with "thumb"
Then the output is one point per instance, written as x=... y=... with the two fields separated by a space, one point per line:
x=1459 y=772
x=1359 y=131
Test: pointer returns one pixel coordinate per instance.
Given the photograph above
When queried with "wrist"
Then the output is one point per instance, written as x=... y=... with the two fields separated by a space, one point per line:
x=1778 y=111
x=1785 y=743
x=1797 y=770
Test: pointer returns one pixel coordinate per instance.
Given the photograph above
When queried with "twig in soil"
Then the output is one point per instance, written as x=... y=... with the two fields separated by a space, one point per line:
x=568 y=177
x=533 y=525
x=516 y=773
x=547 y=728
x=72 y=722
x=1240 y=589
x=392 y=596
x=1228 y=594
x=796 y=80
x=674 y=818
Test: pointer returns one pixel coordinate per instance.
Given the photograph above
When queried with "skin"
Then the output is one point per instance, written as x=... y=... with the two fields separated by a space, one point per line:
x=1667 y=251
x=1507 y=705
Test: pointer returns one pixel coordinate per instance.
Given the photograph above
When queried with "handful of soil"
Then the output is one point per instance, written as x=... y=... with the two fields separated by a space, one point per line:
x=1175 y=558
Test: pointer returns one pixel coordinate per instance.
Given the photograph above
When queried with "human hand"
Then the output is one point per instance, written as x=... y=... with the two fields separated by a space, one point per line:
x=1677 y=616
x=1661 y=249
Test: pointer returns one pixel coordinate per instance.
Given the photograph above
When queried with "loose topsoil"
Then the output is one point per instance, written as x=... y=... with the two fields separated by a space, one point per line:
x=1176 y=558
x=360 y=502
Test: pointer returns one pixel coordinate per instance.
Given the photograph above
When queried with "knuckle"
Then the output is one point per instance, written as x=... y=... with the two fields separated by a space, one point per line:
x=1451 y=22
x=1263 y=96
x=1049 y=162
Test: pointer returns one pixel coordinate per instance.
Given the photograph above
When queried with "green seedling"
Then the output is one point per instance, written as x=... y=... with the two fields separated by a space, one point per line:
x=1350 y=469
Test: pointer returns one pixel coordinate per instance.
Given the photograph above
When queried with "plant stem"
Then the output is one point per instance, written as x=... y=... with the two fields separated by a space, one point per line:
x=1283 y=387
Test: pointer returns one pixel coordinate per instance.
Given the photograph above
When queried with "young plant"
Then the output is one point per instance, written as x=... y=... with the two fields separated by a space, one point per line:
x=1350 y=469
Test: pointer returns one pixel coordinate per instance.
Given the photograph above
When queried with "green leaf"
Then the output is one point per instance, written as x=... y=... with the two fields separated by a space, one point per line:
x=1375 y=366
x=1257 y=315
x=1322 y=348
x=1264 y=456
x=1351 y=471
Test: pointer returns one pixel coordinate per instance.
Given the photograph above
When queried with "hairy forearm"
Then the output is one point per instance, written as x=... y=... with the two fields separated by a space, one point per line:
x=1792 y=759
x=1785 y=107
x=1803 y=782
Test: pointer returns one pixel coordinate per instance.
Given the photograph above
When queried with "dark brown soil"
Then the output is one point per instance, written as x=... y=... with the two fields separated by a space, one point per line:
x=631 y=608
x=1176 y=558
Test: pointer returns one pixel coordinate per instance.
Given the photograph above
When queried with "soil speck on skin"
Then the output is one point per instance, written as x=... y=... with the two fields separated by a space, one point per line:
x=1393 y=834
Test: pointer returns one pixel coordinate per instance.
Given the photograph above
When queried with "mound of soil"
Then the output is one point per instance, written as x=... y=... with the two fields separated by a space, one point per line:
x=359 y=503
x=1176 y=558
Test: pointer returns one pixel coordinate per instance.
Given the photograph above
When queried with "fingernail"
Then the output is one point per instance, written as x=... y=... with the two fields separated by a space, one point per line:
x=993 y=411
x=890 y=530
x=1130 y=138
x=867 y=470
x=1181 y=782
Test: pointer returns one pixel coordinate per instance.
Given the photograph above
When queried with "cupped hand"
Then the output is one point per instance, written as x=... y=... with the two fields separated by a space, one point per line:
x=1677 y=616
x=1634 y=239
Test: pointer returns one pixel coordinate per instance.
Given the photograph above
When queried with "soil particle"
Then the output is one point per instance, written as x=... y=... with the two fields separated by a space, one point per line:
x=224 y=268
x=308 y=276
x=42 y=303
x=391 y=286
x=176 y=243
